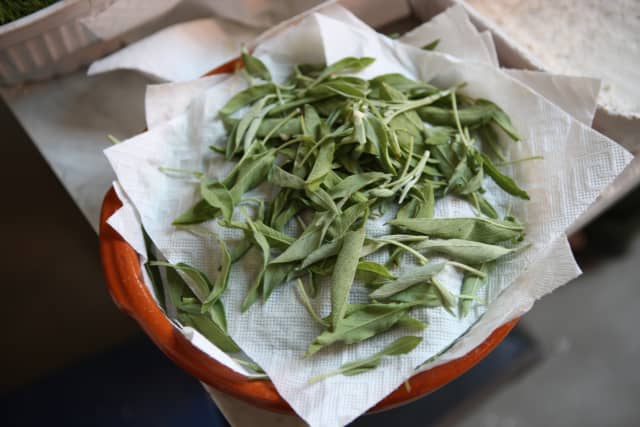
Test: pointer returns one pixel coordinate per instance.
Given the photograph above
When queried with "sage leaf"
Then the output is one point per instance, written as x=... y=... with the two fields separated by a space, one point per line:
x=275 y=275
x=284 y=179
x=197 y=281
x=353 y=183
x=246 y=97
x=466 y=251
x=400 y=346
x=217 y=196
x=200 y=212
x=344 y=273
x=412 y=323
x=274 y=237
x=152 y=271
x=447 y=298
x=418 y=275
x=501 y=119
x=477 y=229
x=321 y=167
x=252 y=174
x=366 y=322
x=505 y=182
x=345 y=65
x=307 y=304
x=222 y=279
x=326 y=250
x=470 y=286
x=432 y=45
x=211 y=331
x=308 y=241
x=254 y=66
x=375 y=268
x=265 y=249
x=424 y=292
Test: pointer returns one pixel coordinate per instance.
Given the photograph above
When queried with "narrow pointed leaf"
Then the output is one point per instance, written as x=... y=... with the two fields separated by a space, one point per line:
x=476 y=229
x=418 y=275
x=344 y=274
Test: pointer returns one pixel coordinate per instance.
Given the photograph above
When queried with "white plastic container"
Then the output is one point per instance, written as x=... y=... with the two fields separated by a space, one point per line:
x=49 y=41
x=69 y=34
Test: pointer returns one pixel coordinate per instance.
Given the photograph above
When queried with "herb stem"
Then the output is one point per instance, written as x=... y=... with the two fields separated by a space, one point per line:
x=423 y=260
x=193 y=173
x=525 y=159
x=467 y=268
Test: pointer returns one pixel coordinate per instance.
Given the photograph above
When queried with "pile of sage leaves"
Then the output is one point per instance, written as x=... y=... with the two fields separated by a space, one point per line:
x=341 y=150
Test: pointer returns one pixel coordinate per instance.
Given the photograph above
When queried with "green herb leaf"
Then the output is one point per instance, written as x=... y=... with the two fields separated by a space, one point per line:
x=412 y=323
x=368 y=321
x=197 y=281
x=345 y=65
x=466 y=251
x=321 y=167
x=400 y=346
x=470 y=286
x=375 y=268
x=477 y=229
x=418 y=275
x=211 y=331
x=308 y=241
x=357 y=182
x=217 y=196
x=505 y=182
x=432 y=45
x=284 y=179
x=275 y=275
x=254 y=66
x=152 y=271
x=307 y=304
x=251 y=174
x=198 y=213
x=246 y=97
x=220 y=284
x=265 y=249
x=344 y=273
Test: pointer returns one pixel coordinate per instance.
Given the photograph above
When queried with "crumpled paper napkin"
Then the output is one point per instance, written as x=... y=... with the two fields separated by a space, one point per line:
x=559 y=194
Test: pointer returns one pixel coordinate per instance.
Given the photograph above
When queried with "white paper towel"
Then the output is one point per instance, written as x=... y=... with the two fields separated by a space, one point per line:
x=180 y=52
x=546 y=128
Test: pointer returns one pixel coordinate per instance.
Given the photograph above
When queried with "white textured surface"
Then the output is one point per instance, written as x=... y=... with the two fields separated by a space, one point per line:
x=580 y=37
x=559 y=195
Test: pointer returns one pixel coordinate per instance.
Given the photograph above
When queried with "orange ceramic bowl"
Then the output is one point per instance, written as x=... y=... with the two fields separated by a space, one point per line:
x=124 y=279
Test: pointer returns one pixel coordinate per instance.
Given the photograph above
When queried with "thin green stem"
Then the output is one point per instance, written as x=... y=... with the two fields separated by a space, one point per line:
x=525 y=159
x=467 y=268
x=196 y=174
x=280 y=124
x=421 y=258
x=113 y=139
x=307 y=305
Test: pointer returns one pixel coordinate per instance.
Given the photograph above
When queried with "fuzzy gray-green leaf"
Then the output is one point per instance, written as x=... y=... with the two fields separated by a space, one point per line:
x=470 y=286
x=476 y=229
x=465 y=251
x=412 y=277
x=344 y=273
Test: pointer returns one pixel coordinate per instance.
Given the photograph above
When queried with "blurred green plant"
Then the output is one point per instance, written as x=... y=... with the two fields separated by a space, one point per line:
x=10 y=10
